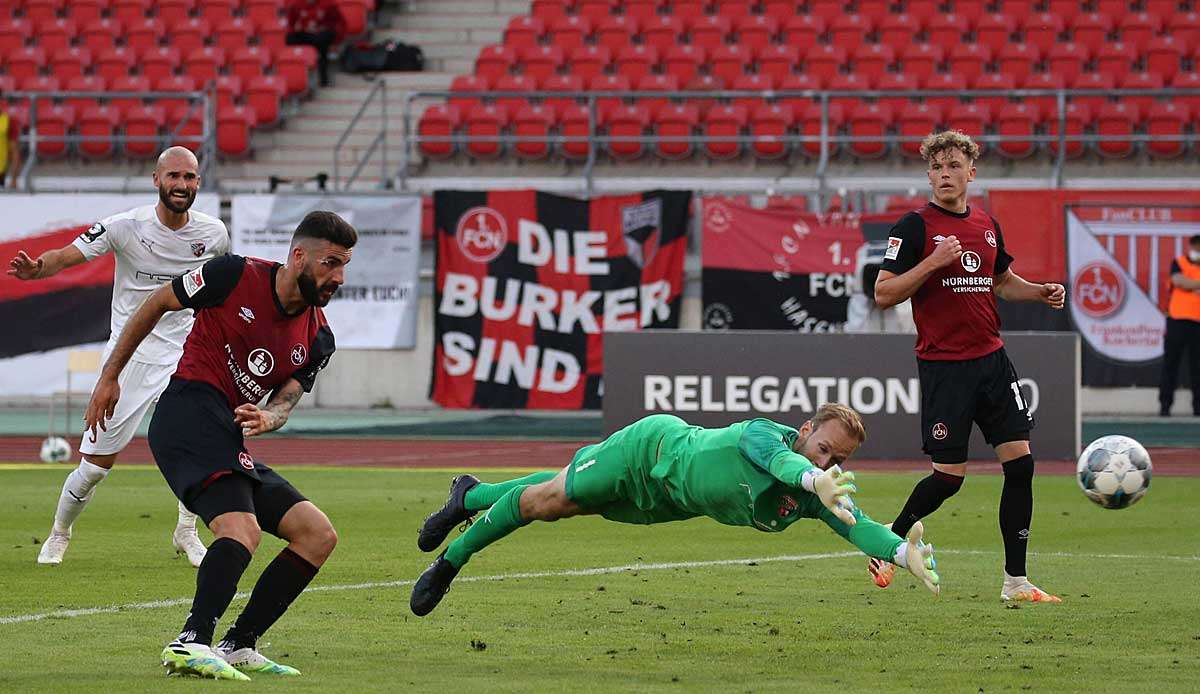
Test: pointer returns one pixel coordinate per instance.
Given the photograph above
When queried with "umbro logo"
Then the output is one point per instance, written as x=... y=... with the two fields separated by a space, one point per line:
x=247 y=315
x=584 y=466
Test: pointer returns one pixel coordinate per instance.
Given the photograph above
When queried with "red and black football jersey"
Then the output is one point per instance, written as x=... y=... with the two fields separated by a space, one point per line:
x=243 y=343
x=955 y=309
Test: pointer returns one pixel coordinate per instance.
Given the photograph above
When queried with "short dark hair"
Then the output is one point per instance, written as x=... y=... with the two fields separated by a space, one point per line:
x=1195 y=240
x=323 y=224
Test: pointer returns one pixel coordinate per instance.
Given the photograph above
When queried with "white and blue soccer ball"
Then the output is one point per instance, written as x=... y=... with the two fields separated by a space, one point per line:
x=1114 y=471
x=55 y=450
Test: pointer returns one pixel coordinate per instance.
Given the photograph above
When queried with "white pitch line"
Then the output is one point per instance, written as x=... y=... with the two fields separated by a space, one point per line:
x=596 y=571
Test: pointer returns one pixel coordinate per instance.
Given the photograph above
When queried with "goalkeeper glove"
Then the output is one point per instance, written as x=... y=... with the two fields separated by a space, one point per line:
x=918 y=559
x=834 y=487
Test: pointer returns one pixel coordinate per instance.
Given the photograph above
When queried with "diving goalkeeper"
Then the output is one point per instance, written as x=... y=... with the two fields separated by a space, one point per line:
x=754 y=473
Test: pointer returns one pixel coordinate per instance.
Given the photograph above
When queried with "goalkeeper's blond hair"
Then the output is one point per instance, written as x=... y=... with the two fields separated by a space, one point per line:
x=839 y=412
x=946 y=140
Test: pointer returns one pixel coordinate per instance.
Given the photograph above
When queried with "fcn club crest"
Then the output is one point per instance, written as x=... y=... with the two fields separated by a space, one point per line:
x=197 y=248
x=940 y=432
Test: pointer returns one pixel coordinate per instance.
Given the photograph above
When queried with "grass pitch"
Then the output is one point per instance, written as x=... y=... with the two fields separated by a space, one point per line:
x=808 y=622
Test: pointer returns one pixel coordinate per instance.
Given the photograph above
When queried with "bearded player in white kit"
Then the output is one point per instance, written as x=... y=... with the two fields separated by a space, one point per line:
x=153 y=245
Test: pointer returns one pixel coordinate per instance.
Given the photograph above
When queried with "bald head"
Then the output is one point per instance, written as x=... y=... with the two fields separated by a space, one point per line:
x=177 y=177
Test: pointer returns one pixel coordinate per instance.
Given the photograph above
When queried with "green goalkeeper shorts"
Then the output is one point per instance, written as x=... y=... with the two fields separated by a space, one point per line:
x=612 y=478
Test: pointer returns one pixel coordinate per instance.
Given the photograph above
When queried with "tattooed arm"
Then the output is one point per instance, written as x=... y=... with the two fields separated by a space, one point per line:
x=254 y=420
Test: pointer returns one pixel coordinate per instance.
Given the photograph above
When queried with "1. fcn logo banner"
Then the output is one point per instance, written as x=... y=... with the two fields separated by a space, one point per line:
x=1119 y=261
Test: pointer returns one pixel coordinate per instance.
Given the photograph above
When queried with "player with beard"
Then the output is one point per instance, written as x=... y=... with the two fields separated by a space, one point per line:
x=757 y=473
x=152 y=245
x=260 y=334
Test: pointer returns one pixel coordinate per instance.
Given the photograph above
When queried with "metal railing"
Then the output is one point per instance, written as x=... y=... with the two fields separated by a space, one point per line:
x=825 y=139
x=379 y=91
x=203 y=102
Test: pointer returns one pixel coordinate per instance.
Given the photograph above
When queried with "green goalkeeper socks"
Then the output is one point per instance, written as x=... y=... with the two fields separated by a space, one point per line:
x=501 y=519
x=483 y=495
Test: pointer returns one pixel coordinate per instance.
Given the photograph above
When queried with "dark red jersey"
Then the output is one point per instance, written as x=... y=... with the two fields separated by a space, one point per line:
x=243 y=343
x=955 y=309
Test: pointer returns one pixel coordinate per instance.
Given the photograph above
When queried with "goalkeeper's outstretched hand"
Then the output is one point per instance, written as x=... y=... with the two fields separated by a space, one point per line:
x=834 y=487
x=919 y=559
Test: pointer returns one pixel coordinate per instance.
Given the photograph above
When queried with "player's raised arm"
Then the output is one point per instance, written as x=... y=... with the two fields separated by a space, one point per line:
x=878 y=541
x=45 y=265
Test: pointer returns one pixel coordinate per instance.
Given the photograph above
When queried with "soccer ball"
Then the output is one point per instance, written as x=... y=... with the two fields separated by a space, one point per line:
x=1114 y=471
x=55 y=450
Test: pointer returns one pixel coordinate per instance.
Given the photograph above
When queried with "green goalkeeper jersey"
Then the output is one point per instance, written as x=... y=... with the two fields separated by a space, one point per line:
x=747 y=474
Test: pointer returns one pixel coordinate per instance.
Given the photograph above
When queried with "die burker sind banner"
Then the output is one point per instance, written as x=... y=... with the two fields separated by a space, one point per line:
x=527 y=283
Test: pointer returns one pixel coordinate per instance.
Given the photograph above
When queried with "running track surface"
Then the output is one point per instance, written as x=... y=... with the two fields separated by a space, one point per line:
x=476 y=454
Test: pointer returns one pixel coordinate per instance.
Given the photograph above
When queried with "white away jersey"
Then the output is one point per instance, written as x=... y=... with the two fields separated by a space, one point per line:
x=149 y=255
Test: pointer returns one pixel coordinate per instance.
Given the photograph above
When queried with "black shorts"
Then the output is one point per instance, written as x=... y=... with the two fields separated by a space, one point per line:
x=955 y=394
x=200 y=451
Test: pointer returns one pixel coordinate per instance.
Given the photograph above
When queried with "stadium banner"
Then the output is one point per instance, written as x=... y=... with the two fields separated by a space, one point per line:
x=527 y=284
x=377 y=307
x=779 y=268
x=717 y=378
x=49 y=318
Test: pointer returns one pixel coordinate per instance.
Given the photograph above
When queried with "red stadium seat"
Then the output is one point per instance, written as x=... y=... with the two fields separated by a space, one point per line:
x=569 y=32
x=176 y=11
x=493 y=61
x=218 y=11
x=676 y=120
x=1137 y=28
x=41 y=11
x=652 y=84
x=1116 y=59
x=1166 y=119
x=1093 y=80
x=1018 y=121
x=751 y=83
x=895 y=83
x=562 y=83
x=1067 y=9
x=770 y=123
x=524 y=30
x=294 y=64
x=724 y=121
x=662 y=33
x=129 y=11
x=617 y=32
x=728 y=62
x=595 y=10
x=1067 y=60
x=539 y=62
x=1090 y=30
x=827 y=10
x=972 y=119
x=25 y=62
x=84 y=83
x=777 y=62
x=56 y=34
x=947 y=29
x=969 y=60
x=684 y=61
x=781 y=10
x=263 y=95
x=230 y=90
x=803 y=31
x=573 y=122
x=1164 y=55
x=1018 y=60
x=127 y=83
x=85 y=11
x=588 y=61
x=687 y=9
x=1162 y=8
x=626 y=122
x=272 y=34
x=1017 y=8
x=797 y=83
x=39 y=83
x=848 y=82
x=870 y=120
x=1188 y=80
x=709 y=32
x=175 y=108
x=898 y=31
x=995 y=31
x=874 y=10
x=549 y=10
x=53 y=121
x=205 y=64
x=732 y=9
x=533 y=121
x=190 y=34
x=467 y=83
x=263 y=11
x=704 y=83
x=514 y=83
x=950 y=84
x=143 y=122
x=159 y=62
x=1119 y=119
x=233 y=34
x=641 y=10
x=100 y=34
x=1185 y=27
x=997 y=81
x=810 y=126
x=249 y=62
x=113 y=63
x=824 y=61
x=439 y=120
x=1141 y=80
x=849 y=31
x=923 y=10
x=355 y=12
x=608 y=83
x=873 y=60
x=636 y=61
x=1042 y=30
x=1113 y=8
x=14 y=33
x=233 y=131
x=1078 y=117
x=99 y=122
x=185 y=129
x=144 y=34
x=1043 y=80
x=917 y=121
x=755 y=32
x=921 y=60
x=70 y=62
